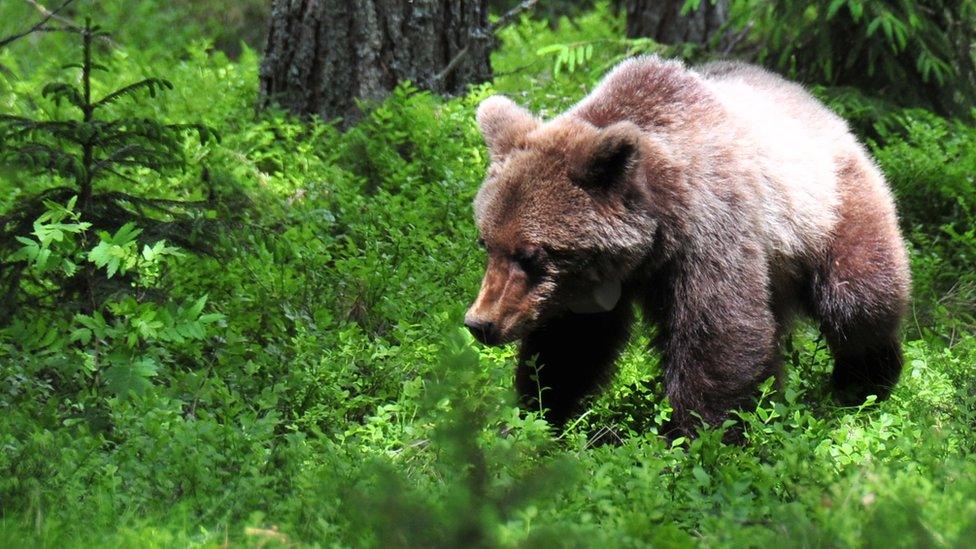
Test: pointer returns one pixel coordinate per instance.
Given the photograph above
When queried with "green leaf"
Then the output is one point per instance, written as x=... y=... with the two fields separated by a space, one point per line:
x=701 y=475
x=42 y=256
x=197 y=307
x=553 y=48
x=834 y=7
x=83 y=335
x=126 y=234
x=873 y=26
x=210 y=318
x=122 y=379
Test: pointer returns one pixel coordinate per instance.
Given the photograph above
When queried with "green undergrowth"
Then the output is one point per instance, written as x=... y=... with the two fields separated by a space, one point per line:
x=304 y=380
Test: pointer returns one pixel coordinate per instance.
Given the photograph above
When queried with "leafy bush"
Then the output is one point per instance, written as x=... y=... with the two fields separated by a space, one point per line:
x=930 y=163
x=915 y=53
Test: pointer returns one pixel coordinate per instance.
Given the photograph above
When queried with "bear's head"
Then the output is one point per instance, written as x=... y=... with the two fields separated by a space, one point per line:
x=563 y=214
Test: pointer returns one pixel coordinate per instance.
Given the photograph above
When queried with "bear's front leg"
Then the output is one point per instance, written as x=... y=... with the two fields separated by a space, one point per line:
x=718 y=341
x=569 y=357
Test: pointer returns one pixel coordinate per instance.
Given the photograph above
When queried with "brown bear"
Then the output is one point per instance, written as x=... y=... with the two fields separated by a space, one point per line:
x=722 y=201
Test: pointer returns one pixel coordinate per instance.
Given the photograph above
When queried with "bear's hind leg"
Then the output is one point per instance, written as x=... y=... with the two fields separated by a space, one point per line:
x=568 y=358
x=860 y=290
x=861 y=371
x=859 y=317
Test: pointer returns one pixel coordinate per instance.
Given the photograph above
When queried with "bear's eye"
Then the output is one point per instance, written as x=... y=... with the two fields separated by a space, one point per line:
x=530 y=260
x=481 y=243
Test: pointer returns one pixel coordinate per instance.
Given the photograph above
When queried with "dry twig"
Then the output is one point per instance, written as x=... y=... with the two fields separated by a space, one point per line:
x=48 y=15
x=486 y=34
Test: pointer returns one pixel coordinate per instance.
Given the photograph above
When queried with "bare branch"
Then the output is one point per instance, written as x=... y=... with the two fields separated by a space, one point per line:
x=511 y=14
x=502 y=22
x=734 y=41
x=54 y=15
x=48 y=14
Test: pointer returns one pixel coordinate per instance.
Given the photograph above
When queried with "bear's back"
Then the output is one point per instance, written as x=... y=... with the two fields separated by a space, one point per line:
x=850 y=178
x=733 y=79
x=737 y=126
x=798 y=146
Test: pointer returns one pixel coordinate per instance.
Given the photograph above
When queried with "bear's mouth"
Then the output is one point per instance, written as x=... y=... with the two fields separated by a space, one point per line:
x=501 y=321
x=507 y=330
x=602 y=298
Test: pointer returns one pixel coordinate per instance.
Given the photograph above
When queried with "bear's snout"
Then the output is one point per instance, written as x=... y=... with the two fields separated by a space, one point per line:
x=483 y=330
x=506 y=305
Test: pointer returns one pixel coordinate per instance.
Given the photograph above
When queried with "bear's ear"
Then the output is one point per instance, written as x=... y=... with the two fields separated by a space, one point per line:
x=503 y=124
x=609 y=160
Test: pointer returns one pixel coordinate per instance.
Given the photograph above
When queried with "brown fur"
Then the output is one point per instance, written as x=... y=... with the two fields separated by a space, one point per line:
x=720 y=219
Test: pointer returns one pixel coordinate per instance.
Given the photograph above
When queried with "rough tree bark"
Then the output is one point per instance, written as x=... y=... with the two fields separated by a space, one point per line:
x=662 y=20
x=322 y=55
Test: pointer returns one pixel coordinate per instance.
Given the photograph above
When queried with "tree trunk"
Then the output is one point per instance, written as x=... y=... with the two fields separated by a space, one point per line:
x=323 y=55
x=662 y=20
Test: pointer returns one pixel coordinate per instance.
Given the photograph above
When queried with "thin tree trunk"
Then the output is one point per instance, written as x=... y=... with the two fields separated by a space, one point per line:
x=323 y=55
x=662 y=20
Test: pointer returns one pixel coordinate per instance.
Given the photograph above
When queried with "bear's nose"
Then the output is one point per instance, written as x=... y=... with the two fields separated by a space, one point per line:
x=484 y=331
